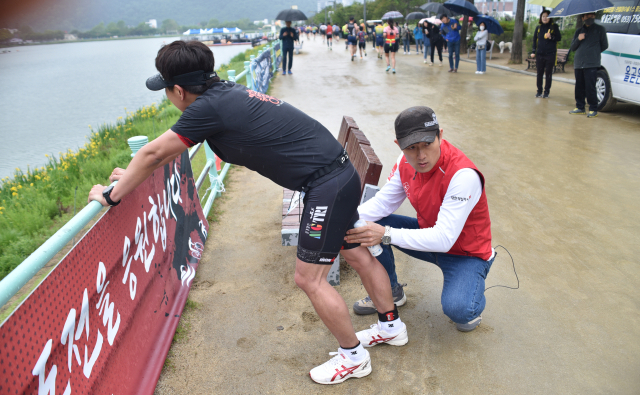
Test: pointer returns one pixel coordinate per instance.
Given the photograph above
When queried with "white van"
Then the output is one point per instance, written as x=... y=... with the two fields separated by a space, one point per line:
x=619 y=76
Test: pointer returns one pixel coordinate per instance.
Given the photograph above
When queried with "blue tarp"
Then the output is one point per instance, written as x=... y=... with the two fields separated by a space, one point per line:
x=222 y=30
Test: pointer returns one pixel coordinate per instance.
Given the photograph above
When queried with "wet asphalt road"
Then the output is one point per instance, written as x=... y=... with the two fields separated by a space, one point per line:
x=562 y=193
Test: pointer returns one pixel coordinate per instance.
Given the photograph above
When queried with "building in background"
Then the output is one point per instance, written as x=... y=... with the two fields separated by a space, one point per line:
x=152 y=23
x=506 y=8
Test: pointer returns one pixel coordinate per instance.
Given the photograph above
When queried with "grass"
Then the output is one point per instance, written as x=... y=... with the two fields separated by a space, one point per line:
x=183 y=329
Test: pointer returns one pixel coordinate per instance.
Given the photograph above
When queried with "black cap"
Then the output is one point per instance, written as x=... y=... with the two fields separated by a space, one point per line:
x=415 y=125
x=193 y=78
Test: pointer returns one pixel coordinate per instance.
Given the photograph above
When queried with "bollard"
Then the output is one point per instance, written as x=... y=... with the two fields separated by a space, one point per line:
x=252 y=58
x=247 y=67
x=231 y=74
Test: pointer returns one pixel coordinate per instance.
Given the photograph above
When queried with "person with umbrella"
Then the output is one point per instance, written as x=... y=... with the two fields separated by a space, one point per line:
x=451 y=32
x=424 y=27
x=481 y=48
x=588 y=43
x=287 y=35
x=435 y=39
x=545 y=40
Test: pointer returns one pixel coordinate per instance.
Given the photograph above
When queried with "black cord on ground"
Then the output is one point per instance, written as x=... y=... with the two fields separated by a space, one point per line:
x=514 y=271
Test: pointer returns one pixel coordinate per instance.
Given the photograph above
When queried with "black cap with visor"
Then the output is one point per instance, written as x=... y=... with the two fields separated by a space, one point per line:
x=193 y=78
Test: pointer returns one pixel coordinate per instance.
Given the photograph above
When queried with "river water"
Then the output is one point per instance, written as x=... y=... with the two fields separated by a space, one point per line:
x=50 y=94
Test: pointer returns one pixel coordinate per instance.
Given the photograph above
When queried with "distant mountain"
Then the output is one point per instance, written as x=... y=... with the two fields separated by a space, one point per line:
x=85 y=14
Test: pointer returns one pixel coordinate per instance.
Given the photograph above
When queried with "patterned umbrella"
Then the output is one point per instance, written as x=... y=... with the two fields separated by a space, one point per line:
x=577 y=7
x=392 y=15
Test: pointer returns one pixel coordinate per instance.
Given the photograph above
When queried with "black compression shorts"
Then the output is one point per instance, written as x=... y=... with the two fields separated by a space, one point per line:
x=391 y=47
x=362 y=45
x=330 y=209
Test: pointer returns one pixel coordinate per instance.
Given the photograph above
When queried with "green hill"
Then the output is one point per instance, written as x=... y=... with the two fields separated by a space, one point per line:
x=85 y=14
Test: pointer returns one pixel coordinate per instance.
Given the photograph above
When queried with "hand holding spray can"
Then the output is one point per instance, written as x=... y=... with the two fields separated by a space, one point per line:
x=374 y=250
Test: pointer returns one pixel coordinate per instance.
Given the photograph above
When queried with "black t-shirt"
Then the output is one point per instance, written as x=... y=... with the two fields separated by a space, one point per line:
x=351 y=27
x=259 y=132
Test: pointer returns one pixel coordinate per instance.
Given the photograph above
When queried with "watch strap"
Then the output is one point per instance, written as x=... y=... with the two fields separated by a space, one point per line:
x=107 y=197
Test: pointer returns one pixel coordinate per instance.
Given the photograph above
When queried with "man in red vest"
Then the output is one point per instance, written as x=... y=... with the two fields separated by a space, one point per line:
x=452 y=229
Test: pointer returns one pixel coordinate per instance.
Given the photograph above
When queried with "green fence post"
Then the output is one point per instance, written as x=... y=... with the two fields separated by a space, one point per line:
x=231 y=74
x=213 y=171
x=247 y=66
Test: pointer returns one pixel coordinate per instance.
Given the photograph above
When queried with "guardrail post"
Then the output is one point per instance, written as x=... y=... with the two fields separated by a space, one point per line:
x=273 y=58
x=231 y=74
x=247 y=67
x=213 y=171
x=252 y=58
x=259 y=52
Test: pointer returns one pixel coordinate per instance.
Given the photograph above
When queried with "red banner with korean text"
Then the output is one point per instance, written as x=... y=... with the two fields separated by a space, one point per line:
x=103 y=320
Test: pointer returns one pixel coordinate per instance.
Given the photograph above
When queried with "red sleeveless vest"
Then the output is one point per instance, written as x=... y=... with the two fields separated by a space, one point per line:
x=426 y=192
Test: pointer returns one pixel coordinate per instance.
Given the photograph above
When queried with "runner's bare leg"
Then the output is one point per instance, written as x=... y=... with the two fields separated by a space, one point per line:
x=328 y=303
x=373 y=275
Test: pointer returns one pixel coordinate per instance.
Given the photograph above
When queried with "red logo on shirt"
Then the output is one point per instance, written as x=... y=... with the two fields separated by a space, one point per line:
x=263 y=97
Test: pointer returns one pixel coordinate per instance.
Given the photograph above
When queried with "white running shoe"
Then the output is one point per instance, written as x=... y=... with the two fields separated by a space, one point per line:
x=340 y=368
x=375 y=336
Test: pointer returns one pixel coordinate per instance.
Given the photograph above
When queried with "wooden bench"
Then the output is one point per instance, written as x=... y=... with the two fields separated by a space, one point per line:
x=368 y=166
x=531 y=62
x=561 y=59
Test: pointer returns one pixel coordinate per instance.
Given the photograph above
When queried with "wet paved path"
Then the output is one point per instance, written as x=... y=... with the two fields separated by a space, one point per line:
x=562 y=194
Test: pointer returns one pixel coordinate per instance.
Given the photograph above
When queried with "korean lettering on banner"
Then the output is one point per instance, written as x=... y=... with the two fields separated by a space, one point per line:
x=73 y=332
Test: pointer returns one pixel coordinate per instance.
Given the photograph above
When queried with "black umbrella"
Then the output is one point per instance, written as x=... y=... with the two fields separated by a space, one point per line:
x=438 y=9
x=415 y=15
x=461 y=7
x=291 y=15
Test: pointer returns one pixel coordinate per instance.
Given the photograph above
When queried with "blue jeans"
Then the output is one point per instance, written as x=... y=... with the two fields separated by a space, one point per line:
x=481 y=59
x=463 y=290
x=418 y=44
x=453 y=47
x=407 y=45
x=427 y=48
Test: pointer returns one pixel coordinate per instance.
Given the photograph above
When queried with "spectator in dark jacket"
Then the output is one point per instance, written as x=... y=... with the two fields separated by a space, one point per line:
x=288 y=35
x=588 y=43
x=436 y=41
x=545 y=39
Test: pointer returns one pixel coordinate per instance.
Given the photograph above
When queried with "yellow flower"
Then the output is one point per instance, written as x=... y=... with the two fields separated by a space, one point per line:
x=15 y=194
x=14 y=189
x=31 y=184
x=37 y=177
x=17 y=169
x=19 y=186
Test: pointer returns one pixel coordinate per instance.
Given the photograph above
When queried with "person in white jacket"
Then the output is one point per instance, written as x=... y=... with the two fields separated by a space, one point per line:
x=481 y=48
x=452 y=228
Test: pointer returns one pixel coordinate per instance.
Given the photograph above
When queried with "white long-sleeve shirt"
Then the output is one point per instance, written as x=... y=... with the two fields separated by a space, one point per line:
x=451 y=218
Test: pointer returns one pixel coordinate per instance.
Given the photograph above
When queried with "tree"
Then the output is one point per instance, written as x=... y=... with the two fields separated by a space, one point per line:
x=5 y=34
x=518 y=33
x=169 y=25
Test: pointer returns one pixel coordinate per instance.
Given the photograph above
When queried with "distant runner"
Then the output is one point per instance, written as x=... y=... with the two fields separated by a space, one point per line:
x=379 y=43
x=330 y=36
x=351 y=37
x=302 y=155
x=391 y=45
x=362 y=44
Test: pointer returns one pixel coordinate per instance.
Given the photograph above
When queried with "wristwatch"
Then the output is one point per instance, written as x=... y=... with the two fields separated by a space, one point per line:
x=386 y=239
x=107 y=196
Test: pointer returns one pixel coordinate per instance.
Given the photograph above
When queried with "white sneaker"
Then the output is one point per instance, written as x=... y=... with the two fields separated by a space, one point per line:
x=375 y=336
x=340 y=368
x=477 y=72
x=425 y=62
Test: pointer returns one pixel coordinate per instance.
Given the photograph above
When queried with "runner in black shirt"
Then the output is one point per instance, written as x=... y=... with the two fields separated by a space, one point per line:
x=287 y=146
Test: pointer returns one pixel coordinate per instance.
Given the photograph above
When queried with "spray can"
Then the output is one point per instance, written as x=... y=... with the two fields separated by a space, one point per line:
x=374 y=250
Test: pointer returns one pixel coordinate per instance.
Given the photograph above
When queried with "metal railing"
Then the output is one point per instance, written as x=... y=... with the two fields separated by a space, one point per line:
x=14 y=281
x=246 y=73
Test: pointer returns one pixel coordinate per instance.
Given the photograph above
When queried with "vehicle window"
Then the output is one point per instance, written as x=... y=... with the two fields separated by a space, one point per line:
x=623 y=17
